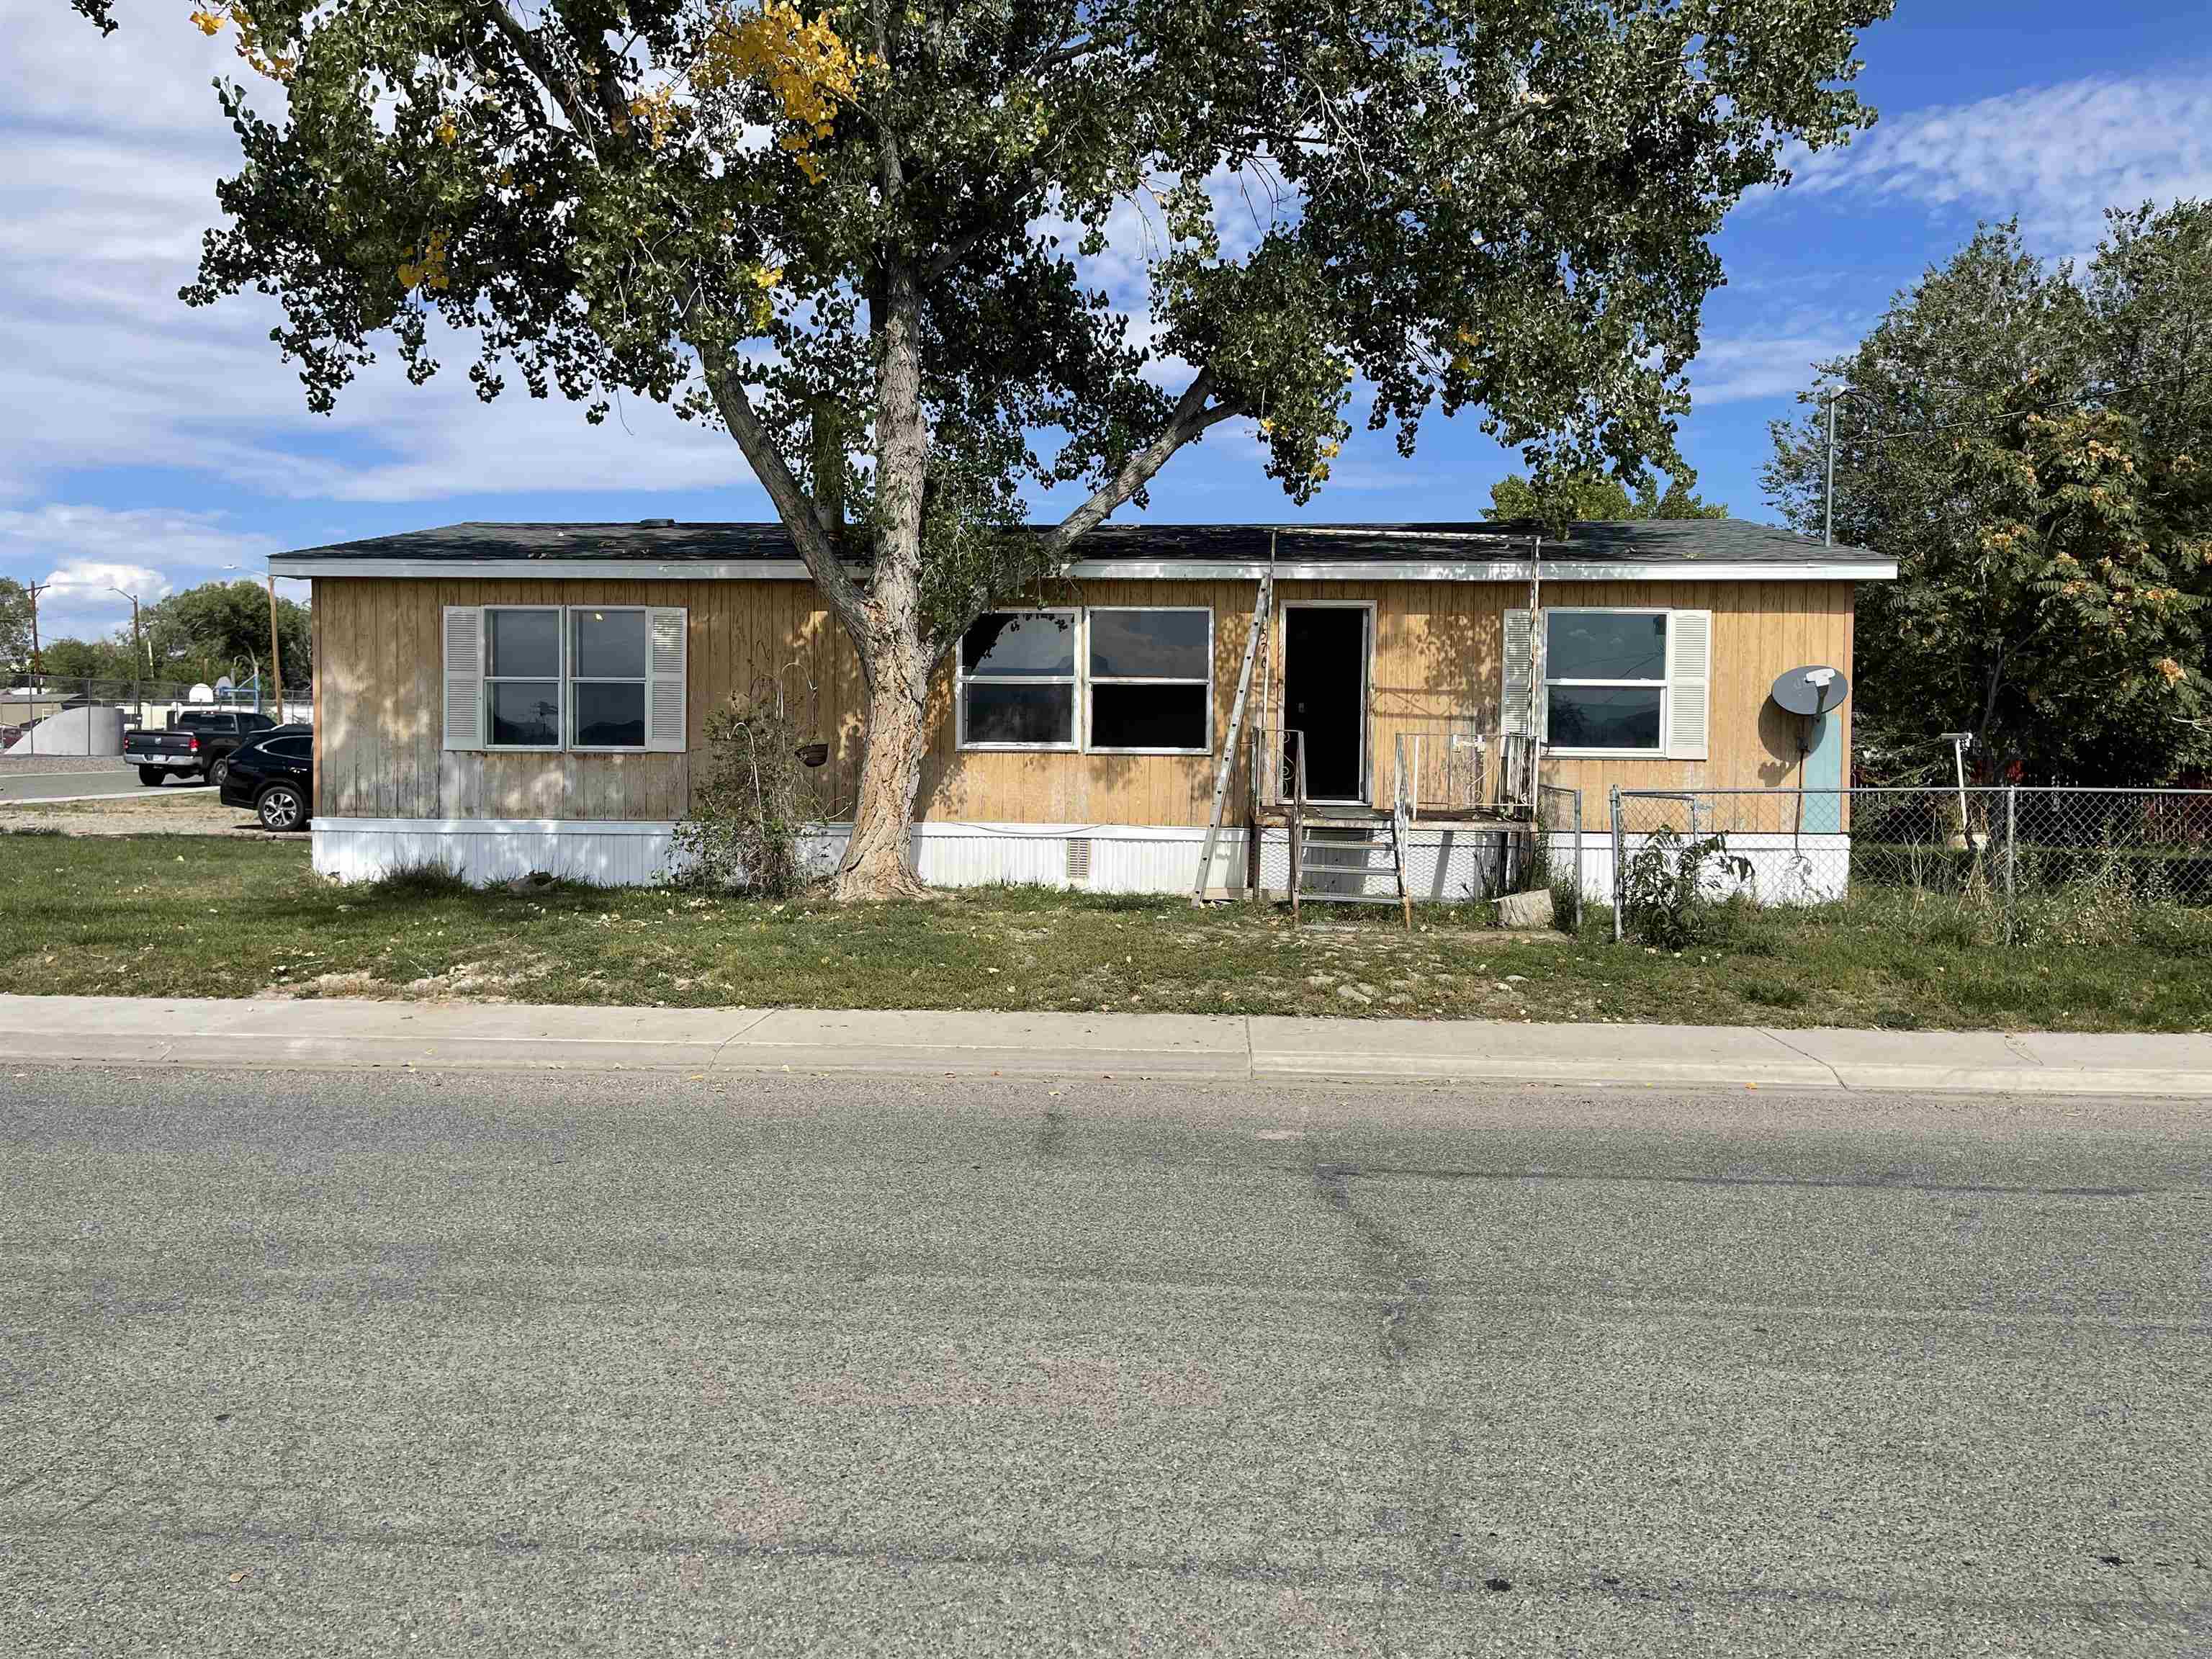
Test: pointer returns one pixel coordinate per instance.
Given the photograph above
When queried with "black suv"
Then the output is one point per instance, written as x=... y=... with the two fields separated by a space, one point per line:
x=275 y=774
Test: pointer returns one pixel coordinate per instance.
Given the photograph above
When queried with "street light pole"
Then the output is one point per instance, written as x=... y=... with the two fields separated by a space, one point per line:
x=1836 y=395
x=1828 y=489
x=276 y=650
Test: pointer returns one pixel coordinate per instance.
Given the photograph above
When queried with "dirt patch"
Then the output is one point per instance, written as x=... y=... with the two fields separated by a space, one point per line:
x=154 y=813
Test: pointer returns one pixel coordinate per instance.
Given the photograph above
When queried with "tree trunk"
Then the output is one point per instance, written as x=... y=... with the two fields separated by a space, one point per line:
x=875 y=866
x=895 y=656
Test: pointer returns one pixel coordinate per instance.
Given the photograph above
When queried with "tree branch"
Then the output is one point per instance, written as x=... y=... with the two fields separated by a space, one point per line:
x=539 y=62
x=821 y=556
x=1190 y=418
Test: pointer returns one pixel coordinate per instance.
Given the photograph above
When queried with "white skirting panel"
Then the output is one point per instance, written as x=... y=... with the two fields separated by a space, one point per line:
x=1443 y=863
x=1095 y=858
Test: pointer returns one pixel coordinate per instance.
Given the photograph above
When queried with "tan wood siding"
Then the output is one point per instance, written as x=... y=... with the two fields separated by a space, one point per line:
x=379 y=683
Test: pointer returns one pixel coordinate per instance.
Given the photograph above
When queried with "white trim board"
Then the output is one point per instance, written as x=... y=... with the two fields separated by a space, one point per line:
x=1334 y=570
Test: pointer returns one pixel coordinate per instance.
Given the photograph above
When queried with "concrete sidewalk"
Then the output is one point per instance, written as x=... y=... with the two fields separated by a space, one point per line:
x=349 y=1033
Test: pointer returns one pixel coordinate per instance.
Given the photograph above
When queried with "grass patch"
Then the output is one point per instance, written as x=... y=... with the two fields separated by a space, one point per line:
x=425 y=880
x=186 y=916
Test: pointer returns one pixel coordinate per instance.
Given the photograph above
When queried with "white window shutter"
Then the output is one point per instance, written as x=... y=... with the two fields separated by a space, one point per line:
x=1520 y=666
x=666 y=705
x=1689 y=682
x=464 y=699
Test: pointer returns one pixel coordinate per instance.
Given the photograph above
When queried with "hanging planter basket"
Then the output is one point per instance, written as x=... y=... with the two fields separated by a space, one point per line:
x=813 y=754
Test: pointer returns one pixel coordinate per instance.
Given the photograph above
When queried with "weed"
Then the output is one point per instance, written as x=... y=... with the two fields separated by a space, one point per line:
x=420 y=879
x=1776 y=994
x=1674 y=892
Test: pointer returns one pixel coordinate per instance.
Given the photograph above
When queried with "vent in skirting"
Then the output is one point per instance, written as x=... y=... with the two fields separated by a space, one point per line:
x=1079 y=858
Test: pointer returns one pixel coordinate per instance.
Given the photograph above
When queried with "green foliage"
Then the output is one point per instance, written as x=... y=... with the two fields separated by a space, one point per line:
x=1598 y=497
x=2029 y=442
x=215 y=629
x=752 y=801
x=105 y=659
x=220 y=628
x=1679 y=892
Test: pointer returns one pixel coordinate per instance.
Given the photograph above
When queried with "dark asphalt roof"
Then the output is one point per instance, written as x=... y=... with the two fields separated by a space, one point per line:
x=1699 y=541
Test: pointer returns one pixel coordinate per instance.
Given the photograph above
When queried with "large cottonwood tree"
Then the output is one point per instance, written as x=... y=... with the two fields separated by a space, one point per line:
x=861 y=237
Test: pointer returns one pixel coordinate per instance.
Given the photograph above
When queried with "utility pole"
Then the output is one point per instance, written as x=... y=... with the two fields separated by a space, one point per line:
x=137 y=691
x=34 y=590
x=276 y=650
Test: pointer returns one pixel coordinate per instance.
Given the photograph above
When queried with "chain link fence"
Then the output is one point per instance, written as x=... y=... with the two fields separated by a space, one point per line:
x=2021 y=864
x=50 y=717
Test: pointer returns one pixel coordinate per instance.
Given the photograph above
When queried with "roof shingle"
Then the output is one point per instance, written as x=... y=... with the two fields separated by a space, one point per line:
x=1702 y=541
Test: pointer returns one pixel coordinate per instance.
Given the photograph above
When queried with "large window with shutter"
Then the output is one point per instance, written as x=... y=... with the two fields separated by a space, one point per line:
x=1612 y=682
x=583 y=678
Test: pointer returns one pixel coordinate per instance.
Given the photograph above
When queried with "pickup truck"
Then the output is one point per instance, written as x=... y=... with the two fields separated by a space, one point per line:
x=197 y=740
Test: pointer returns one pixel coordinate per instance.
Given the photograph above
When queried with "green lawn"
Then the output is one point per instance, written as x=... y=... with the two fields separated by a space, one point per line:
x=176 y=915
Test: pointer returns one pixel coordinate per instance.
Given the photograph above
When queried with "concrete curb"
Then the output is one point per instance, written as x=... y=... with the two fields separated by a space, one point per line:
x=344 y=1033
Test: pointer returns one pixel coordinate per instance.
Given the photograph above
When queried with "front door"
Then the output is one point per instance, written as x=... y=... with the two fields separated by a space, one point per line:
x=1325 y=695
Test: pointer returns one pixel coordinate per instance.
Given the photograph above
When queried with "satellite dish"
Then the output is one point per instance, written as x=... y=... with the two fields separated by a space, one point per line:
x=1810 y=691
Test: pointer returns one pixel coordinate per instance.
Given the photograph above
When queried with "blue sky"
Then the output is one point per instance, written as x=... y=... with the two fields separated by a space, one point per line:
x=150 y=445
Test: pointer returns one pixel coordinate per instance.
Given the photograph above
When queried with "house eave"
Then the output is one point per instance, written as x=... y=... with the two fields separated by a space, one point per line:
x=1453 y=570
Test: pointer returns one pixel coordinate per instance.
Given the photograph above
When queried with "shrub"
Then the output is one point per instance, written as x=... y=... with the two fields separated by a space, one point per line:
x=750 y=804
x=1677 y=893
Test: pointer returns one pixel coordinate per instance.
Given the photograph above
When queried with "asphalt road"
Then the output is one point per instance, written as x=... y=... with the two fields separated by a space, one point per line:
x=66 y=786
x=525 y=1364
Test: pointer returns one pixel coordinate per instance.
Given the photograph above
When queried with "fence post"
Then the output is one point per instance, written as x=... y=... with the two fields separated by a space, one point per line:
x=1615 y=804
x=2012 y=858
x=1578 y=863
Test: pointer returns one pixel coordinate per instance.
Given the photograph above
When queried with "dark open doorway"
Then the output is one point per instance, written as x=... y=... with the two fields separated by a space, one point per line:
x=1325 y=695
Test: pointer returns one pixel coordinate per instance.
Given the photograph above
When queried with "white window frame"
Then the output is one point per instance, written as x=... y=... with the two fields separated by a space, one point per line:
x=1072 y=680
x=486 y=680
x=1659 y=750
x=643 y=681
x=1091 y=679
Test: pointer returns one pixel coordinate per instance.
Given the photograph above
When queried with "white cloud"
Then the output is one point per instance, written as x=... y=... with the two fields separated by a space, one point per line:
x=1737 y=370
x=2057 y=156
x=114 y=148
x=85 y=551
